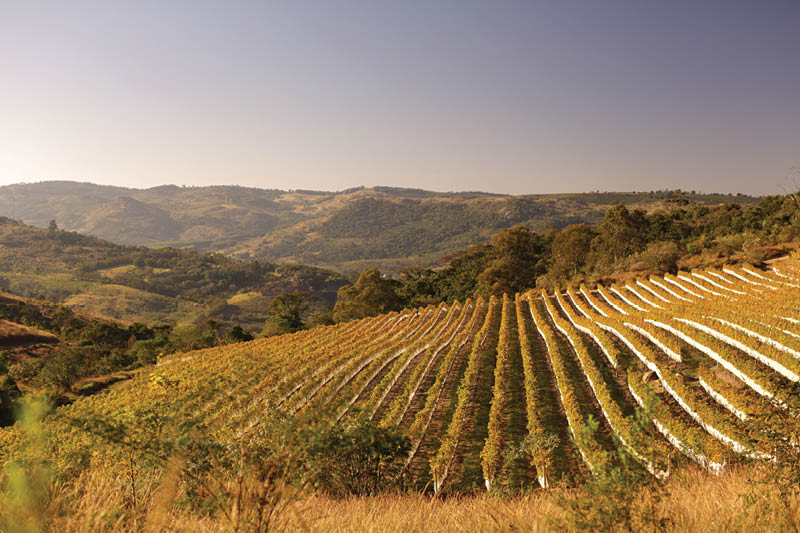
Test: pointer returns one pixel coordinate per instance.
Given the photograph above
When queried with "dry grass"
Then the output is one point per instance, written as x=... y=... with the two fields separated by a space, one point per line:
x=738 y=500
x=11 y=332
x=420 y=513
x=695 y=501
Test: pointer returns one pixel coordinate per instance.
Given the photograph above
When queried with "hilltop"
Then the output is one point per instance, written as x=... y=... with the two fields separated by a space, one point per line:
x=346 y=230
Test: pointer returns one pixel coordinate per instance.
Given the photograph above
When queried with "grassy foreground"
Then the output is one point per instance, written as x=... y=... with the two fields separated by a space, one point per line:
x=739 y=500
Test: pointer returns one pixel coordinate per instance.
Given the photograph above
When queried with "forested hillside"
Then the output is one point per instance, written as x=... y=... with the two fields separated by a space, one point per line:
x=624 y=244
x=348 y=230
x=149 y=285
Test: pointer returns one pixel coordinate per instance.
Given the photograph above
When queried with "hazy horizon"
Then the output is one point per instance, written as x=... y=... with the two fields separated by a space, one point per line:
x=502 y=97
x=432 y=190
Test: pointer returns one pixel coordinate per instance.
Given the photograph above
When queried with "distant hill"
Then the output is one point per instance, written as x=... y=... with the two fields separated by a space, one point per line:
x=135 y=283
x=346 y=230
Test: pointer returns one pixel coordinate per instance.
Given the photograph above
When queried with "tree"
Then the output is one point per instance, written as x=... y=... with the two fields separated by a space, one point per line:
x=53 y=227
x=286 y=312
x=237 y=334
x=61 y=369
x=570 y=249
x=9 y=394
x=460 y=279
x=517 y=260
x=370 y=295
x=662 y=257
x=320 y=318
x=620 y=234
x=104 y=334
x=417 y=286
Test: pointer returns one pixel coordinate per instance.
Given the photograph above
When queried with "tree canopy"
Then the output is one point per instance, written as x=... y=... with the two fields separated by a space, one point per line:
x=570 y=250
x=286 y=312
x=516 y=262
x=370 y=295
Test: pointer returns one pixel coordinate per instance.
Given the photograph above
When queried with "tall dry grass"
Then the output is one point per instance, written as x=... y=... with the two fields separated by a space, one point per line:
x=738 y=500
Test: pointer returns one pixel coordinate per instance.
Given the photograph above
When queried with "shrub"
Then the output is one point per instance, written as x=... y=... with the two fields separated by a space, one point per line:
x=237 y=334
x=359 y=460
x=191 y=337
x=25 y=370
x=145 y=352
x=113 y=361
x=662 y=257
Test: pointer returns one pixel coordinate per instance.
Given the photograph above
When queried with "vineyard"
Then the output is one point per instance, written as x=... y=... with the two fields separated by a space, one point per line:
x=700 y=366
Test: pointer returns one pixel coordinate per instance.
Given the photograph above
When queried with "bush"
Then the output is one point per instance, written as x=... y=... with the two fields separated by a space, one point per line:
x=237 y=334
x=115 y=360
x=729 y=244
x=191 y=337
x=360 y=460
x=661 y=257
x=322 y=318
x=25 y=370
x=370 y=295
x=104 y=334
x=146 y=352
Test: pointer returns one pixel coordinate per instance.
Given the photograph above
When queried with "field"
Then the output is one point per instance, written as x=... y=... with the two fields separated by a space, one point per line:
x=506 y=394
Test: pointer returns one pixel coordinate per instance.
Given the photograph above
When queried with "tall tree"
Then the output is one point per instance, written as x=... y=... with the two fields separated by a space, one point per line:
x=286 y=312
x=620 y=234
x=370 y=295
x=570 y=250
x=517 y=260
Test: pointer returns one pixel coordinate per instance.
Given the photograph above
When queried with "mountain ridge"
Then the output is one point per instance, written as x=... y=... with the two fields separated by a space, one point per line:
x=397 y=227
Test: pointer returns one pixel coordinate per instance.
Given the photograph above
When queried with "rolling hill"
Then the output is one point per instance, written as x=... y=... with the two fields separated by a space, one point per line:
x=714 y=376
x=140 y=284
x=346 y=230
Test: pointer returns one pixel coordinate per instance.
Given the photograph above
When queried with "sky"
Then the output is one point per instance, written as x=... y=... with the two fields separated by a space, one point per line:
x=501 y=96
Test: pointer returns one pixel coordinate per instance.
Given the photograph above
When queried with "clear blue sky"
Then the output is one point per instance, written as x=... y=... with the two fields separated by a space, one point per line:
x=503 y=96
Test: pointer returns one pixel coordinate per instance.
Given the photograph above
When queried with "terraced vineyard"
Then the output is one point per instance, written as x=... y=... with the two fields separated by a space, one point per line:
x=712 y=357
